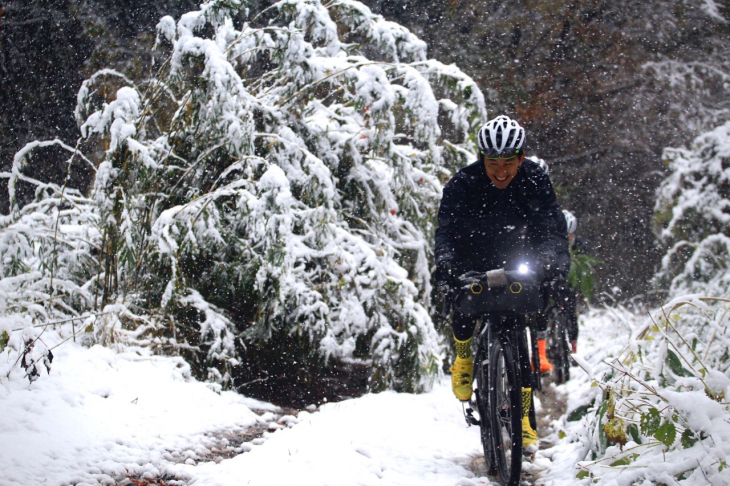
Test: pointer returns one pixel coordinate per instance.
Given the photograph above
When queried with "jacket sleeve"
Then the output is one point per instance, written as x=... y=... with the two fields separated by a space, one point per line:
x=450 y=212
x=549 y=229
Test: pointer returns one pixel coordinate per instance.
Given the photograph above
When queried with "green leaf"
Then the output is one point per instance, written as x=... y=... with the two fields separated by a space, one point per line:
x=578 y=413
x=4 y=338
x=723 y=465
x=602 y=409
x=633 y=431
x=650 y=421
x=580 y=276
x=666 y=434
x=601 y=413
x=562 y=434
x=675 y=364
x=583 y=475
x=624 y=461
x=688 y=438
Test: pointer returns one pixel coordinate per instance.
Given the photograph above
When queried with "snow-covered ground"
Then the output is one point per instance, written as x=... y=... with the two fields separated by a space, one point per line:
x=101 y=417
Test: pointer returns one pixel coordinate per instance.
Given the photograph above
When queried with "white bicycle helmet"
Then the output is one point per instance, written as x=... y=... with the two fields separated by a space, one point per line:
x=541 y=162
x=501 y=137
x=571 y=221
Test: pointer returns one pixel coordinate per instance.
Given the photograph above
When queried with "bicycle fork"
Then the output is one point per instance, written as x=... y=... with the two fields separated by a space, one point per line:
x=481 y=361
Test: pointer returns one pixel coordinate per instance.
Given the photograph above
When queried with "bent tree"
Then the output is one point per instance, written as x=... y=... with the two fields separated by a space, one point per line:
x=263 y=203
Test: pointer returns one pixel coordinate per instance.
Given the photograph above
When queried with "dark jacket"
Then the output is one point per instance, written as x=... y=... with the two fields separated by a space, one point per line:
x=484 y=228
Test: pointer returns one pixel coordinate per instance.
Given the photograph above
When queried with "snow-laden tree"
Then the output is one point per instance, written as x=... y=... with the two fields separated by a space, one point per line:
x=693 y=215
x=265 y=199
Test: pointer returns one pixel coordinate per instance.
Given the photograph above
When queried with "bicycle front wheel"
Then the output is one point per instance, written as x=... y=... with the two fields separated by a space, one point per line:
x=481 y=393
x=505 y=411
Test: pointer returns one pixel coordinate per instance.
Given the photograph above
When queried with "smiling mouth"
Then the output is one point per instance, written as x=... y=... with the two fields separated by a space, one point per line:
x=501 y=179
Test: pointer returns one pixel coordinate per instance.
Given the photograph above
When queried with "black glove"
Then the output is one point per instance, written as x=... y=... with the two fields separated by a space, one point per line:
x=542 y=273
x=550 y=272
x=444 y=275
x=558 y=290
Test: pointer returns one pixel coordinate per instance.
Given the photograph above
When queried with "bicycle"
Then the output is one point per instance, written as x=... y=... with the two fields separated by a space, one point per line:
x=501 y=345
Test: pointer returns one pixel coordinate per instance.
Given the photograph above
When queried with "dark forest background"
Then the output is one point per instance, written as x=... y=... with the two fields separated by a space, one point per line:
x=602 y=87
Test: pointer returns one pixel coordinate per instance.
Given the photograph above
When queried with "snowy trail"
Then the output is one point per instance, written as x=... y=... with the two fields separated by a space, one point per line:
x=102 y=417
x=385 y=438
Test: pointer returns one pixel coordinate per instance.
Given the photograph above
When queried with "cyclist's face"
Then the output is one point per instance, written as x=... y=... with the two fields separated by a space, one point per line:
x=502 y=171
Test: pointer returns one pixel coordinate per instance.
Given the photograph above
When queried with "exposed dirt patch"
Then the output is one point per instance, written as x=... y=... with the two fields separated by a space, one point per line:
x=478 y=466
x=218 y=445
x=553 y=405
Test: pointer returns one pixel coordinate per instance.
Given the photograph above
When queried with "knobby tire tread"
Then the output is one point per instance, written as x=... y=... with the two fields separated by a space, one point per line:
x=502 y=362
x=482 y=400
x=562 y=352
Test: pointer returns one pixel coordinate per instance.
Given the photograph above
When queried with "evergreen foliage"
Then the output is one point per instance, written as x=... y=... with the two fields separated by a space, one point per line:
x=269 y=193
x=580 y=276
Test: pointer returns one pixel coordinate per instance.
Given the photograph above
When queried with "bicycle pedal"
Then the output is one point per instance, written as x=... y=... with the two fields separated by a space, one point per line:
x=469 y=416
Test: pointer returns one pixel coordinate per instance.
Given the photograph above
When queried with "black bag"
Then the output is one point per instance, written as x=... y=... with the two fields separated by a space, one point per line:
x=519 y=297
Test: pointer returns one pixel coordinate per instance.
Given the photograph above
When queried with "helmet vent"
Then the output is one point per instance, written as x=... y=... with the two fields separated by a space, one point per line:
x=501 y=136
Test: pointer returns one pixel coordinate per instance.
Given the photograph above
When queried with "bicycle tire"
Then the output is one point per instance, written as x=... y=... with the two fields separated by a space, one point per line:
x=561 y=350
x=505 y=411
x=482 y=401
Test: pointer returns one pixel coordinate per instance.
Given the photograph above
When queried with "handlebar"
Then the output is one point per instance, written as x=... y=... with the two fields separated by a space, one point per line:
x=496 y=278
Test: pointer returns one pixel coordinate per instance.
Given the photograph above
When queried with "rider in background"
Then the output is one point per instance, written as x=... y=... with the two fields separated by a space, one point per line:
x=540 y=162
x=497 y=213
x=540 y=322
x=580 y=280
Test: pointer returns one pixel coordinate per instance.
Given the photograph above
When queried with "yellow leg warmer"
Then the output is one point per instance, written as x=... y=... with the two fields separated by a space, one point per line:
x=529 y=435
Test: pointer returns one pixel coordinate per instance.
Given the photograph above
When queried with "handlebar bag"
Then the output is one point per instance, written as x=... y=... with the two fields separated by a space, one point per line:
x=517 y=298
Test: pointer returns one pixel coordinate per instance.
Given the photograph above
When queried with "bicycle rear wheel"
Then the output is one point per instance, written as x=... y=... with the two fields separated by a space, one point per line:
x=481 y=394
x=505 y=411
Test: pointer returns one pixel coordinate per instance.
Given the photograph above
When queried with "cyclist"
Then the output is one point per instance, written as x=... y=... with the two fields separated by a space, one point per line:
x=497 y=213
x=580 y=282
x=541 y=320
